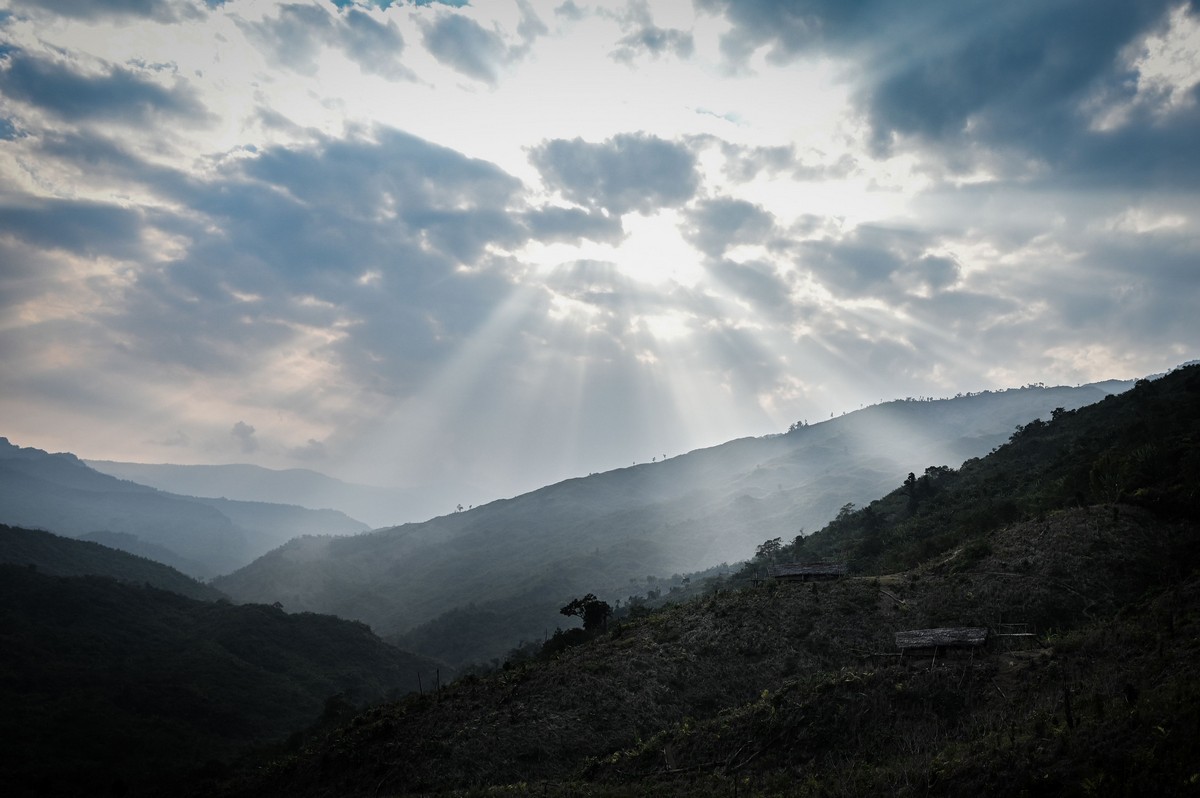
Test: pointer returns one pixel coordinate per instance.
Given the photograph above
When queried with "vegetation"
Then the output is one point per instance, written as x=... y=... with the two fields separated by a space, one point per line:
x=1136 y=450
x=467 y=586
x=799 y=689
x=108 y=687
x=58 y=556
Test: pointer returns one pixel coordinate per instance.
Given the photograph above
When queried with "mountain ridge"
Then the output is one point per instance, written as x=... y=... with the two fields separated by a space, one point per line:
x=60 y=493
x=683 y=514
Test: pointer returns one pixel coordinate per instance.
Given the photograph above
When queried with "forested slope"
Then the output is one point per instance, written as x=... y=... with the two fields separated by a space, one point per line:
x=797 y=689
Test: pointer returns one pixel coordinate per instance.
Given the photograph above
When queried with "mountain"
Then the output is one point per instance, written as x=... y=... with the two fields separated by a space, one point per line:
x=55 y=555
x=1076 y=544
x=376 y=506
x=202 y=537
x=468 y=586
x=110 y=687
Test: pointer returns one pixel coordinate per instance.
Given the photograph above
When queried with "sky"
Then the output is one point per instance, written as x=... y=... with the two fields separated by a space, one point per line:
x=500 y=244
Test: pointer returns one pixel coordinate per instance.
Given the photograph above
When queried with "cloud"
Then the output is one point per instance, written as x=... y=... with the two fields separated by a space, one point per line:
x=629 y=172
x=552 y=224
x=179 y=439
x=655 y=42
x=78 y=226
x=116 y=95
x=983 y=85
x=373 y=45
x=295 y=38
x=375 y=253
x=310 y=451
x=245 y=435
x=715 y=225
x=755 y=281
x=862 y=262
x=462 y=44
x=157 y=10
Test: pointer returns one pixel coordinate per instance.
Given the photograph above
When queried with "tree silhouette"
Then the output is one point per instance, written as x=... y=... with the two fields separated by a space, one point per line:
x=593 y=611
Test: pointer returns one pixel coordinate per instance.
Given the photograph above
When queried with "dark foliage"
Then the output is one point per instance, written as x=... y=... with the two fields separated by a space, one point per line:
x=115 y=685
x=58 y=556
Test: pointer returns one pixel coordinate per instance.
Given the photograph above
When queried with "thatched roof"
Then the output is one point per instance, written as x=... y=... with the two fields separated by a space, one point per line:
x=965 y=636
x=802 y=569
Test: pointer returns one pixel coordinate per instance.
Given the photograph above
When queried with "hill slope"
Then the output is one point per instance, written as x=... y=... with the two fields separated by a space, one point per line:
x=108 y=686
x=55 y=555
x=376 y=506
x=202 y=537
x=796 y=689
x=518 y=560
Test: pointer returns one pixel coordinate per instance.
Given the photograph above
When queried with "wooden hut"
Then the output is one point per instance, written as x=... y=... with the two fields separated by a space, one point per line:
x=931 y=642
x=806 y=572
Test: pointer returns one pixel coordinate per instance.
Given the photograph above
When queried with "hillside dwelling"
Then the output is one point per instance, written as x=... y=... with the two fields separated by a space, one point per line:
x=947 y=640
x=807 y=572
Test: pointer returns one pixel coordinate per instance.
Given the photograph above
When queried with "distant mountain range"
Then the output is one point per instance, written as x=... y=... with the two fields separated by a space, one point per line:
x=469 y=585
x=201 y=537
x=376 y=506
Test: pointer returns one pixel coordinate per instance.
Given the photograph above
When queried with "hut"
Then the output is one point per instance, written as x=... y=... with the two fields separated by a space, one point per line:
x=806 y=572
x=931 y=642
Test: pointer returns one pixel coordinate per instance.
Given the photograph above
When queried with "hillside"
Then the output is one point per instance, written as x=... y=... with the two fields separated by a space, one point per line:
x=798 y=689
x=201 y=537
x=496 y=574
x=109 y=686
x=376 y=506
x=55 y=555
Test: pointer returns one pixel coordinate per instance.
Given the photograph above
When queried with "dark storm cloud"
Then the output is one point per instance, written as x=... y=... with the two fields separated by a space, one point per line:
x=715 y=225
x=464 y=45
x=294 y=39
x=118 y=95
x=629 y=172
x=1014 y=77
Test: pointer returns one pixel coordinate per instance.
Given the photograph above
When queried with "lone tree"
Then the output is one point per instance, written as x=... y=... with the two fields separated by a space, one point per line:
x=593 y=611
x=769 y=549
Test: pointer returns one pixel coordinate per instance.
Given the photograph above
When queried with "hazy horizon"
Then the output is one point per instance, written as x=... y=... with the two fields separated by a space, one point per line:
x=505 y=244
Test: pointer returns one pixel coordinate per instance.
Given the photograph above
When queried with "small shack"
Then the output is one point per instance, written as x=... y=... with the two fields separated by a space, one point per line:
x=807 y=571
x=931 y=642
